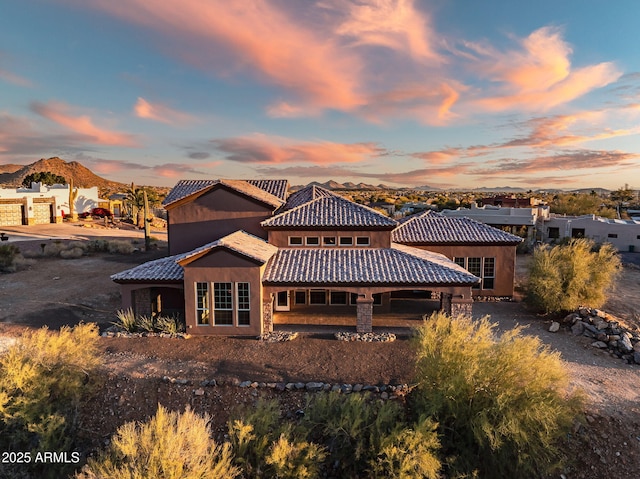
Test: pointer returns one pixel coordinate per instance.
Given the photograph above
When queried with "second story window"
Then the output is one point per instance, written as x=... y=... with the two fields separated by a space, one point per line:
x=362 y=240
x=295 y=240
x=312 y=241
x=328 y=241
x=346 y=241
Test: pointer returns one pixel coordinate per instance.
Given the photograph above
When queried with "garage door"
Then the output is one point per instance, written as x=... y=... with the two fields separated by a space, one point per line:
x=10 y=214
x=42 y=213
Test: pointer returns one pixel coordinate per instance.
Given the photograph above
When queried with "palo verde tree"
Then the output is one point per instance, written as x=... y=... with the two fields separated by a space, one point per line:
x=44 y=177
x=566 y=277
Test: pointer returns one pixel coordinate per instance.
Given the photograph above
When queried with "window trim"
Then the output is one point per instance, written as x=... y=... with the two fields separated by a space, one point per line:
x=206 y=304
x=291 y=243
x=243 y=310
x=350 y=238
x=329 y=245
x=359 y=241
x=307 y=238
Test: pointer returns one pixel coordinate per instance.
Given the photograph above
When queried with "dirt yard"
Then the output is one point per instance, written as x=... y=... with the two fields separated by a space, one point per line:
x=54 y=292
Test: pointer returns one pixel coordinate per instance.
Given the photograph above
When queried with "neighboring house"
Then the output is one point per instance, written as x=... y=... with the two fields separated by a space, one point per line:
x=522 y=221
x=42 y=204
x=486 y=252
x=623 y=234
x=256 y=254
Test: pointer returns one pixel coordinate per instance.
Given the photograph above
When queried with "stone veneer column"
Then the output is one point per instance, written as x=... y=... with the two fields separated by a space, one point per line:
x=461 y=306
x=364 y=308
x=267 y=315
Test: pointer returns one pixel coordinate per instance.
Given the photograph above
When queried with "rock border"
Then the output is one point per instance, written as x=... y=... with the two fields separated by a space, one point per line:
x=366 y=337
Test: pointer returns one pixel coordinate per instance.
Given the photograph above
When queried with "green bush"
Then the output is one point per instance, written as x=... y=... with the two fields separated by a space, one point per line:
x=294 y=460
x=565 y=277
x=170 y=325
x=352 y=428
x=120 y=247
x=42 y=379
x=170 y=445
x=8 y=256
x=501 y=403
x=126 y=320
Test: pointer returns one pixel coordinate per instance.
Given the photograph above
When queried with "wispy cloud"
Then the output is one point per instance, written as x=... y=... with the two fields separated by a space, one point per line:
x=14 y=79
x=63 y=115
x=538 y=75
x=161 y=113
x=259 y=148
x=166 y=170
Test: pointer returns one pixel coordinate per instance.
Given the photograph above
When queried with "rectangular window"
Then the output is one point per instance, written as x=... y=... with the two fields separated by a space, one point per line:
x=338 y=297
x=243 y=301
x=346 y=241
x=377 y=298
x=459 y=261
x=362 y=240
x=474 y=266
x=554 y=233
x=354 y=298
x=317 y=296
x=577 y=232
x=312 y=240
x=612 y=235
x=488 y=273
x=328 y=240
x=295 y=240
x=222 y=304
x=202 y=304
x=300 y=297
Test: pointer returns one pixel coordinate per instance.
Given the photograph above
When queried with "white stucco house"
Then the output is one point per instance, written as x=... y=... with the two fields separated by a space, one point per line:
x=623 y=234
x=41 y=204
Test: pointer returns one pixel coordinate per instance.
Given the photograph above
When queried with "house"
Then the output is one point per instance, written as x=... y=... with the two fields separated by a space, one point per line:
x=484 y=251
x=42 y=204
x=242 y=253
x=623 y=234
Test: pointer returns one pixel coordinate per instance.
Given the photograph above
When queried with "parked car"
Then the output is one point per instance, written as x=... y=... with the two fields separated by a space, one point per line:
x=97 y=213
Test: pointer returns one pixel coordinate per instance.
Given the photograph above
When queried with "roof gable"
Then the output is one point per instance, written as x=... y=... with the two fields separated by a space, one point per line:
x=266 y=191
x=329 y=211
x=434 y=228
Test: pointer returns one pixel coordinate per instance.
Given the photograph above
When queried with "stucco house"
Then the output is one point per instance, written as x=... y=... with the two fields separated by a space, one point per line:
x=242 y=251
x=623 y=234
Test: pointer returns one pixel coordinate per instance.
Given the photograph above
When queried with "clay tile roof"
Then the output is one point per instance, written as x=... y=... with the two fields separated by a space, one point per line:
x=171 y=267
x=271 y=192
x=305 y=195
x=330 y=211
x=434 y=228
x=398 y=265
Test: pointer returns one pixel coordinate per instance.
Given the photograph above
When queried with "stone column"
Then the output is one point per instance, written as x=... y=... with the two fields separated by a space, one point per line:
x=364 y=308
x=460 y=306
x=267 y=314
x=142 y=302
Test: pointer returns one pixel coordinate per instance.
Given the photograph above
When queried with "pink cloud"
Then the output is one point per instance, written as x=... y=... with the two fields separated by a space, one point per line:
x=161 y=113
x=10 y=77
x=61 y=114
x=538 y=75
x=222 y=37
x=393 y=24
x=260 y=148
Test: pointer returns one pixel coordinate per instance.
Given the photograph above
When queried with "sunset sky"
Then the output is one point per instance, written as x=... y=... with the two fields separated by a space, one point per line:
x=447 y=93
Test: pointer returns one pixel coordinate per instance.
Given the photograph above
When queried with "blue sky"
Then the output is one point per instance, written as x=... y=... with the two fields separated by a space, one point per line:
x=452 y=94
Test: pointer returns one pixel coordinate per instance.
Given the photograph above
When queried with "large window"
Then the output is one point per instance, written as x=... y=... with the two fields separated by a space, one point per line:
x=222 y=304
x=317 y=296
x=203 y=311
x=554 y=232
x=483 y=268
x=243 y=300
x=338 y=297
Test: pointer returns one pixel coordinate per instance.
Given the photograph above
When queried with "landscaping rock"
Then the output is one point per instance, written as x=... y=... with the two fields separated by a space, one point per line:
x=555 y=327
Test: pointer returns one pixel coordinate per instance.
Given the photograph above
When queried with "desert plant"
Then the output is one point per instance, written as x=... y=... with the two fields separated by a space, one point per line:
x=169 y=445
x=145 y=323
x=410 y=453
x=42 y=379
x=53 y=248
x=98 y=246
x=120 y=247
x=8 y=255
x=72 y=253
x=351 y=428
x=170 y=325
x=564 y=277
x=501 y=403
x=126 y=320
x=294 y=460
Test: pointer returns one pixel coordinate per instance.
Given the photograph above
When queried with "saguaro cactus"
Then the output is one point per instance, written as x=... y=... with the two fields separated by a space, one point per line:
x=73 y=194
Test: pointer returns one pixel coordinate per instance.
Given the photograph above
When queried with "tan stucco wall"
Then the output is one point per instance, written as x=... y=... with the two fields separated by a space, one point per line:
x=377 y=239
x=505 y=264
x=211 y=216
x=221 y=266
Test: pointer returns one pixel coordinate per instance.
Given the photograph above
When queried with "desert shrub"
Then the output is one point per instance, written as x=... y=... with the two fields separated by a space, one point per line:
x=126 y=320
x=169 y=445
x=565 y=277
x=120 y=247
x=294 y=460
x=501 y=403
x=351 y=428
x=53 y=248
x=72 y=253
x=8 y=255
x=170 y=324
x=42 y=379
x=410 y=453
x=98 y=246
x=145 y=323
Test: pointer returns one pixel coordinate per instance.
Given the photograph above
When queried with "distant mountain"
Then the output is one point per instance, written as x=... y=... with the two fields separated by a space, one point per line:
x=334 y=185
x=500 y=189
x=427 y=188
x=586 y=191
x=82 y=177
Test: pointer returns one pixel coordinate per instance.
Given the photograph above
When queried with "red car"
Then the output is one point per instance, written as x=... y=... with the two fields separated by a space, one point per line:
x=96 y=213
